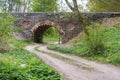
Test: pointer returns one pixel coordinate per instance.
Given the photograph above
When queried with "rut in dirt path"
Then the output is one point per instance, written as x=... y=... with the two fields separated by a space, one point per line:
x=73 y=67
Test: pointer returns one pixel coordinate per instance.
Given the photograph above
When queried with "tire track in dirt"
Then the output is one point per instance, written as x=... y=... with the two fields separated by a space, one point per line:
x=75 y=68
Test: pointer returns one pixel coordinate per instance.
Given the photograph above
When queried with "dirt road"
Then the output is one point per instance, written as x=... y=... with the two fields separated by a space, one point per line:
x=73 y=67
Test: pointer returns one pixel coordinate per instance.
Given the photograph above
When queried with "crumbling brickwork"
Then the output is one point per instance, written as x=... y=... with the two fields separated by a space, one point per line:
x=35 y=24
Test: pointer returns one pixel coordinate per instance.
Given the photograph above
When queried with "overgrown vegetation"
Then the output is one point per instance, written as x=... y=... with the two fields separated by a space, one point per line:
x=104 y=5
x=103 y=45
x=44 y=5
x=51 y=35
x=17 y=63
x=94 y=42
x=6 y=30
x=20 y=64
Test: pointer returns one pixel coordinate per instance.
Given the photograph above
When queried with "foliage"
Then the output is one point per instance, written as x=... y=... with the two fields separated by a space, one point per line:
x=9 y=5
x=14 y=5
x=6 y=30
x=51 y=32
x=20 y=64
x=44 y=5
x=107 y=39
x=94 y=42
x=47 y=38
x=51 y=35
x=104 y=5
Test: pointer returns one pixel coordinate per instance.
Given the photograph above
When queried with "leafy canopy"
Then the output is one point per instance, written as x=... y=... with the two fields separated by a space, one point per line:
x=44 y=5
x=104 y=5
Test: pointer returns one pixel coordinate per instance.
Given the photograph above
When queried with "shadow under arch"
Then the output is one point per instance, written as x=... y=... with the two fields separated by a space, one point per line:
x=40 y=28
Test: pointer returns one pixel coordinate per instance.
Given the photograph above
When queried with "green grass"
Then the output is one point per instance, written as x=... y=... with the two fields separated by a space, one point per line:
x=50 y=38
x=19 y=64
x=111 y=40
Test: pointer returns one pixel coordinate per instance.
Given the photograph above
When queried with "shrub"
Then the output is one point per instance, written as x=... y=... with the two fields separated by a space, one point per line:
x=94 y=41
x=6 y=30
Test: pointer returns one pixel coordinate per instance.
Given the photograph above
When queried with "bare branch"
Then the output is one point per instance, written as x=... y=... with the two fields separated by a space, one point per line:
x=75 y=5
x=69 y=5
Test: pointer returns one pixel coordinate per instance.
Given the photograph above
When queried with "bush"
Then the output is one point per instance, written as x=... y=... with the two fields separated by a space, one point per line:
x=6 y=30
x=94 y=41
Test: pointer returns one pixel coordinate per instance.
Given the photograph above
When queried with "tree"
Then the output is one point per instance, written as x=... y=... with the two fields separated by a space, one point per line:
x=75 y=8
x=9 y=5
x=104 y=5
x=93 y=42
x=26 y=5
x=44 y=5
x=14 y=5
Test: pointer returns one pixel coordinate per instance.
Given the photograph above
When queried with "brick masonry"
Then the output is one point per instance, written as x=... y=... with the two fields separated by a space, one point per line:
x=35 y=24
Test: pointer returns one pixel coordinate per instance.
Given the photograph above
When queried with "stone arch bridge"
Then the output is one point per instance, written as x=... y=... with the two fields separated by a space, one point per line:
x=35 y=24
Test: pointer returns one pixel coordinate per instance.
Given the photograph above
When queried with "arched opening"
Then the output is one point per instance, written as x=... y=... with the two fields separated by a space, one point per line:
x=46 y=33
x=40 y=29
x=39 y=32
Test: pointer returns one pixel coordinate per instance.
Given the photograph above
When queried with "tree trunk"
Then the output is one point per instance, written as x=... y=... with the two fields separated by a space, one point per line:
x=75 y=9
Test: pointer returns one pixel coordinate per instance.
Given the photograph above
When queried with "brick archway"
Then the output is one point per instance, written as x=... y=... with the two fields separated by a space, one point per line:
x=39 y=29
